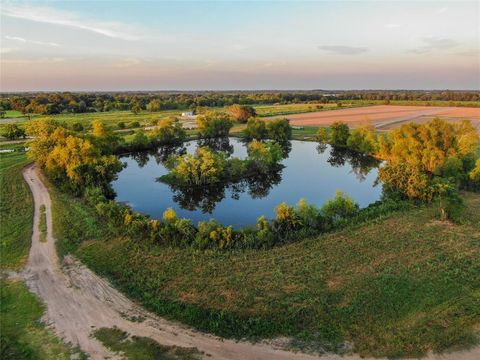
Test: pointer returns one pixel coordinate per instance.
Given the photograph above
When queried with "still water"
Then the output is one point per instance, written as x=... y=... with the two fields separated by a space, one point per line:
x=308 y=173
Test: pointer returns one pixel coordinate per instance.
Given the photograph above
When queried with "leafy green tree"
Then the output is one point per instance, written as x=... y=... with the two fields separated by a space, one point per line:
x=256 y=129
x=214 y=124
x=136 y=108
x=13 y=132
x=339 y=134
x=168 y=131
x=154 y=105
x=363 y=140
x=279 y=130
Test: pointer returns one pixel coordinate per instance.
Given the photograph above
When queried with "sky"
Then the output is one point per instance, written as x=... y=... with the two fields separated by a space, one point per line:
x=239 y=45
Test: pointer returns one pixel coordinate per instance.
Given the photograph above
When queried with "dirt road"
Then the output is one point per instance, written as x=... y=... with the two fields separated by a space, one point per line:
x=78 y=301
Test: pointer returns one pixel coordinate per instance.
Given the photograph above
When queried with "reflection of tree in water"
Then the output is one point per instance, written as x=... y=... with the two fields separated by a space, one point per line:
x=162 y=154
x=260 y=184
x=361 y=164
x=201 y=197
x=217 y=144
x=207 y=197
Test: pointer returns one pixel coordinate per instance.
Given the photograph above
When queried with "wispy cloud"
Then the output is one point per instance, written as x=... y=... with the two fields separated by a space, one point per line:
x=26 y=41
x=433 y=43
x=441 y=10
x=53 y=16
x=343 y=50
x=392 y=26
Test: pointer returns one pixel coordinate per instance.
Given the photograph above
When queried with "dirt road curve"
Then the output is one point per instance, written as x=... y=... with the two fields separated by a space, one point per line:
x=78 y=301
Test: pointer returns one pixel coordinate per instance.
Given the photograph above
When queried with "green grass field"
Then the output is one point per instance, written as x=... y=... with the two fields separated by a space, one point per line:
x=395 y=287
x=16 y=209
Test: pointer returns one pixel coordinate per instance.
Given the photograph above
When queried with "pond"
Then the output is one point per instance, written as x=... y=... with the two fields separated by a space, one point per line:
x=308 y=172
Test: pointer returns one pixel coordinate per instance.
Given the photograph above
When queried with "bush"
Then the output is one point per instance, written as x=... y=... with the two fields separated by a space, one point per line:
x=279 y=130
x=13 y=132
x=77 y=127
x=214 y=124
x=363 y=140
x=211 y=234
x=241 y=113
x=339 y=208
x=134 y=124
x=339 y=134
x=256 y=129
x=121 y=125
x=168 y=132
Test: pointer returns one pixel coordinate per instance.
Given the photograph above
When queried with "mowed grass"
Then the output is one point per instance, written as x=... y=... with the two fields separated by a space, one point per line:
x=395 y=287
x=16 y=210
x=142 y=348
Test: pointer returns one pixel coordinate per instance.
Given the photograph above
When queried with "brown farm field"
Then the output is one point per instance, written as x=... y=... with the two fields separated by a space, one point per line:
x=384 y=117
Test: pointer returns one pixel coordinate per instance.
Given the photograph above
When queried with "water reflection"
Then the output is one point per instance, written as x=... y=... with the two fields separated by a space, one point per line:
x=309 y=172
x=361 y=164
x=205 y=198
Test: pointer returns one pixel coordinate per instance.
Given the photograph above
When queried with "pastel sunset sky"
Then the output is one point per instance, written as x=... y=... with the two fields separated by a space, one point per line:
x=226 y=45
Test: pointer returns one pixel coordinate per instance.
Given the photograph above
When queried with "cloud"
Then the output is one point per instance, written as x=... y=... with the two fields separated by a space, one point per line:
x=433 y=43
x=392 y=26
x=53 y=16
x=441 y=10
x=343 y=50
x=36 y=42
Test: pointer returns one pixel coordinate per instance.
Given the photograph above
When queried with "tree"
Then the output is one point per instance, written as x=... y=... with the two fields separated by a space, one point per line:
x=279 y=130
x=363 y=140
x=339 y=133
x=214 y=124
x=136 y=108
x=13 y=132
x=154 y=105
x=420 y=157
x=241 y=113
x=168 y=131
x=256 y=129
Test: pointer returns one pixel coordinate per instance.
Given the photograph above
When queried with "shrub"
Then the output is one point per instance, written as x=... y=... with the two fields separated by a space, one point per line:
x=77 y=127
x=363 y=140
x=256 y=129
x=134 y=124
x=339 y=134
x=214 y=124
x=309 y=215
x=211 y=234
x=12 y=132
x=286 y=220
x=241 y=113
x=121 y=125
x=168 y=132
x=279 y=130
x=339 y=208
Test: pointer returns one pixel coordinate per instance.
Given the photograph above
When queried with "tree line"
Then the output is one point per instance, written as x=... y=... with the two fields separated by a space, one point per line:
x=69 y=102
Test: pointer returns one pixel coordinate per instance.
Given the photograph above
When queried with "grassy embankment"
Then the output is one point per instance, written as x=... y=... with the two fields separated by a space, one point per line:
x=399 y=286
x=22 y=335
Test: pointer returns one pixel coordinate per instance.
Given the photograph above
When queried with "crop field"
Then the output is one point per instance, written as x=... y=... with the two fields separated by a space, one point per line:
x=385 y=117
